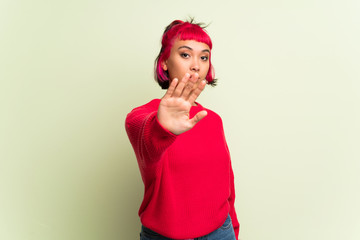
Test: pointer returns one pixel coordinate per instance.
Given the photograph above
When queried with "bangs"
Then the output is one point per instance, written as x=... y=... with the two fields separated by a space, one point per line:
x=196 y=33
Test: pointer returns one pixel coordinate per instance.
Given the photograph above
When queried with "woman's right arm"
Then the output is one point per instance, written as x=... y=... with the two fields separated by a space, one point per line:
x=148 y=138
x=152 y=132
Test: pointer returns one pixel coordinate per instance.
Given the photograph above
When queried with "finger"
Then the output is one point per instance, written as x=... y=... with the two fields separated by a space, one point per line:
x=171 y=88
x=200 y=115
x=187 y=89
x=194 y=94
x=180 y=87
x=194 y=78
x=189 y=86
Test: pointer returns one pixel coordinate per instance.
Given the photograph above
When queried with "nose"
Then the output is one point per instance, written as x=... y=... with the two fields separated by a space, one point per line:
x=195 y=66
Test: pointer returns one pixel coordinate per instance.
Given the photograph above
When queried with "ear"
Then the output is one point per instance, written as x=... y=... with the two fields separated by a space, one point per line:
x=164 y=65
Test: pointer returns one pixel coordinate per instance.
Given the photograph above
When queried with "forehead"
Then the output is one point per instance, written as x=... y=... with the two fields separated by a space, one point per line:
x=194 y=45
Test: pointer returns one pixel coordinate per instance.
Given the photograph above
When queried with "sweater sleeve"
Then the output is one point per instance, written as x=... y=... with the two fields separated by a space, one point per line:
x=148 y=138
x=231 y=200
x=233 y=216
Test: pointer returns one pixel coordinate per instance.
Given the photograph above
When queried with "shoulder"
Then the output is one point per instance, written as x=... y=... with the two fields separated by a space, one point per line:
x=149 y=107
x=209 y=111
x=141 y=112
x=212 y=115
x=212 y=112
x=152 y=105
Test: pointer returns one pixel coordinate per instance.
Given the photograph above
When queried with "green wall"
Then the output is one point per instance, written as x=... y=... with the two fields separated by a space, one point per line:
x=288 y=93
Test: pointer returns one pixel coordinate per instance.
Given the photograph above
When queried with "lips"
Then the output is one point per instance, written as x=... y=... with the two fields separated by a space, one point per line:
x=192 y=76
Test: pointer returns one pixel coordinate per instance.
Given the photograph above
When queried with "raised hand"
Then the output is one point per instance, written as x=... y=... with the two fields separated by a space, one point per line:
x=174 y=108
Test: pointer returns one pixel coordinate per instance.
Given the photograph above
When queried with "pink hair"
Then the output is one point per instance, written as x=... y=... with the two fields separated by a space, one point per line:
x=184 y=31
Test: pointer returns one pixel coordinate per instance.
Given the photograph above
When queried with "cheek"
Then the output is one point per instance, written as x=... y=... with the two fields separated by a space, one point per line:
x=177 y=69
x=207 y=68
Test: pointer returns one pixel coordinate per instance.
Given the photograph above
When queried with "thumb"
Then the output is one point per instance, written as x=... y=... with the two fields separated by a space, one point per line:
x=200 y=115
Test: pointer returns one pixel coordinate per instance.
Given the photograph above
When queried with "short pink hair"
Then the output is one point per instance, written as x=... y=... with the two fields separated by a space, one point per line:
x=184 y=31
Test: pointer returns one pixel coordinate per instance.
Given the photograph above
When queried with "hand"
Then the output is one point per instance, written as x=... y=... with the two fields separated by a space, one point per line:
x=174 y=108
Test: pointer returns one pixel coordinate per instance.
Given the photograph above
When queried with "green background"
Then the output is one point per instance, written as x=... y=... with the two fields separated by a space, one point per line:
x=288 y=93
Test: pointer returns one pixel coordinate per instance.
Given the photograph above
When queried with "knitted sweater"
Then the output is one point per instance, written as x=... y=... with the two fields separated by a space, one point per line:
x=188 y=178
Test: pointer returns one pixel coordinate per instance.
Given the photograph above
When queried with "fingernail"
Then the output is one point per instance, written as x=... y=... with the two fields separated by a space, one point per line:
x=187 y=75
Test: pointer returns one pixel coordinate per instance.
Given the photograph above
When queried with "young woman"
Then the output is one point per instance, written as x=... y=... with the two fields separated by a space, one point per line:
x=181 y=148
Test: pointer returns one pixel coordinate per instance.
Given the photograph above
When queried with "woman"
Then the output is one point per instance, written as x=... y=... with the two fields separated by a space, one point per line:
x=180 y=146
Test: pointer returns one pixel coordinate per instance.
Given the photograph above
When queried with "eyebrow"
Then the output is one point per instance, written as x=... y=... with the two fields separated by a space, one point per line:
x=187 y=47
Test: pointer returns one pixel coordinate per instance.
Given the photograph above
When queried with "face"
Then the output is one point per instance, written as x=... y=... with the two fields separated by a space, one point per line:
x=188 y=56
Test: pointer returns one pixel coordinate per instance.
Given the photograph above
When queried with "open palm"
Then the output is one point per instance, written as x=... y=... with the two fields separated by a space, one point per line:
x=174 y=109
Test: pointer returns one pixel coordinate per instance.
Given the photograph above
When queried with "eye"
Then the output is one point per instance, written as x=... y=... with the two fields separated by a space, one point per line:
x=204 y=58
x=185 y=55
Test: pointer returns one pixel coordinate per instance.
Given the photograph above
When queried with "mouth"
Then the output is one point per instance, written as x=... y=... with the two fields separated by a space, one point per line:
x=192 y=76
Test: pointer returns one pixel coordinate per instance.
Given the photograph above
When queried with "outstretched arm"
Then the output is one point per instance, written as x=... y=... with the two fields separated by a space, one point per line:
x=174 y=108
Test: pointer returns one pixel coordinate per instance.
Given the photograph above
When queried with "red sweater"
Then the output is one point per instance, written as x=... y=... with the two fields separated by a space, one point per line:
x=188 y=178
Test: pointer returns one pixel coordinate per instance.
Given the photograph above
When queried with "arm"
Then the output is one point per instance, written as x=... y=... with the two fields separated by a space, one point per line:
x=148 y=138
x=232 y=212
x=151 y=132
x=231 y=200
